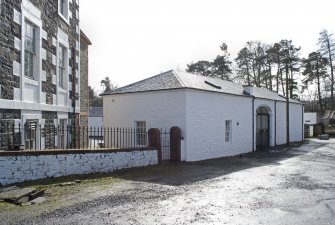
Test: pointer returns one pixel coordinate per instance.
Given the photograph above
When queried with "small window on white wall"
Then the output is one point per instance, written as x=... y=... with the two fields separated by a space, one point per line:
x=30 y=53
x=228 y=131
x=141 y=135
x=62 y=68
x=63 y=9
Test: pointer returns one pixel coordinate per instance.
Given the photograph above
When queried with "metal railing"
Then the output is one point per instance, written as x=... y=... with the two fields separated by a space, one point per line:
x=165 y=143
x=69 y=137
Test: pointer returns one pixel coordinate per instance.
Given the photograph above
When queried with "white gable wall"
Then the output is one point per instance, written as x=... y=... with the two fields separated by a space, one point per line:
x=206 y=116
x=160 y=109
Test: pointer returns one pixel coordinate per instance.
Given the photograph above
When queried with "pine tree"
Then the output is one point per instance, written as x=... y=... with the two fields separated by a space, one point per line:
x=327 y=49
x=315 y=69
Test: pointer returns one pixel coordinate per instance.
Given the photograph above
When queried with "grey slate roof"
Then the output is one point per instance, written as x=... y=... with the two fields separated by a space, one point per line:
x=178 y=80
x=96 y=112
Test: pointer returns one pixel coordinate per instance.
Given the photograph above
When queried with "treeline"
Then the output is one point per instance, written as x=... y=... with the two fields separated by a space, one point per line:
x=278 y=67
x=95 y=100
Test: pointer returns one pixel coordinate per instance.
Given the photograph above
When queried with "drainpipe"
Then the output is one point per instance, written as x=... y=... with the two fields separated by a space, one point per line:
x=276 y=122
x=302 y=123
x=73 y=51
x=253 y=123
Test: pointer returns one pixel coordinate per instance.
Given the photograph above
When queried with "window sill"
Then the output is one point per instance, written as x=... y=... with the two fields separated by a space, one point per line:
x=30 y=81
x=66 y=20
x=62 y=90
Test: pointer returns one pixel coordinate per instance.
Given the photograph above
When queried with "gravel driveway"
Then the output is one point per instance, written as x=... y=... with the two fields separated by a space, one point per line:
x=283 y=186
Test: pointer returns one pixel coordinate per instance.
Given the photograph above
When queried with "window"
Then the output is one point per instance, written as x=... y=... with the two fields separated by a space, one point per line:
x=63 y=8
x=228 y=131
x=30 y=50
x=62 y=129
x=61 y=66
x=30 y=134
x=141 y=135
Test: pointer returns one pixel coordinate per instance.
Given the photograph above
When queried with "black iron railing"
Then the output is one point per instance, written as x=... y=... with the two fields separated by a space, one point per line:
x=36 y=137
x=165 y=143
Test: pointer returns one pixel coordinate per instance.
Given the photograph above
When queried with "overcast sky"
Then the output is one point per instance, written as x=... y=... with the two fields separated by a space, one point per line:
x=136 y=39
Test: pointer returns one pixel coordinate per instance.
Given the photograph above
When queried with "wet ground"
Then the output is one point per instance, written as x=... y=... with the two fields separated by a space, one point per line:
x=282 y=186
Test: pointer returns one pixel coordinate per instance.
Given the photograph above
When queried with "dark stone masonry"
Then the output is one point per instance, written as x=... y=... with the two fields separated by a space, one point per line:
x=39 y=97
x=50 y=23
x=9 y=30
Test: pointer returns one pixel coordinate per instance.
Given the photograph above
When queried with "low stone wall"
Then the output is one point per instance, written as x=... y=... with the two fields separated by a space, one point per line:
x=31 y=165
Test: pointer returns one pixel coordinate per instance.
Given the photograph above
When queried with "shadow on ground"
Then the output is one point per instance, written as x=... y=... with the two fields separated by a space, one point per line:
x=175 y=174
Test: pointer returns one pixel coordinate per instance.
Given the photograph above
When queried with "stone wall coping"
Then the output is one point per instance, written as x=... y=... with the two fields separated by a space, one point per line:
x=72 y=151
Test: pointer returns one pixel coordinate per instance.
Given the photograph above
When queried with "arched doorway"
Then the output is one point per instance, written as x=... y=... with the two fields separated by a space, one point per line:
x=262 y=127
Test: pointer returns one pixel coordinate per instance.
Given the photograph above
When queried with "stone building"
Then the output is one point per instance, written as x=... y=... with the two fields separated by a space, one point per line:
x=40 y=83
x=84 y=92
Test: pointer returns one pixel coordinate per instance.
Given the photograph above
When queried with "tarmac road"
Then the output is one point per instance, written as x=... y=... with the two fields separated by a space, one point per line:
x=283 y=186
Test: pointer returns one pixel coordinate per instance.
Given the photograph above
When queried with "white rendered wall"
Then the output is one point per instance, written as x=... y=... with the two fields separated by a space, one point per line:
x=23 y=168
x=95 y=122
x=206 y=116
x=160 y=109
x=281 y=123
x=201 y=116
x=296 y=123
x=310 y=118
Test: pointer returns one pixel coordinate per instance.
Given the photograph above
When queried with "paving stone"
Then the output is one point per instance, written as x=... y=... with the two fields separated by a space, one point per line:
x=13 y=195
x=36 y=201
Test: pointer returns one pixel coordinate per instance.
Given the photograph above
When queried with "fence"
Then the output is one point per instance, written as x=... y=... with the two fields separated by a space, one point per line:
x=165 y=144
x=33 y=137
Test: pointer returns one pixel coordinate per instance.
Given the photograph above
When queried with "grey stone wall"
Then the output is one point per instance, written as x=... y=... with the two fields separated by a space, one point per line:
x=84 y=92
x=7 y=120
x=84 y=98
x=49 y=130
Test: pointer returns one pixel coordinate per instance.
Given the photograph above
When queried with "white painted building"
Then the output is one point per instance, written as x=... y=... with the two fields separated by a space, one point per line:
x=217 y=118
x=95 y=117
x=310 y=120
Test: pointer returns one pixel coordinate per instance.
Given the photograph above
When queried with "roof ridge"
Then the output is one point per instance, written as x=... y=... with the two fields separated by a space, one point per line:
x=178 y=78
x=140 y=81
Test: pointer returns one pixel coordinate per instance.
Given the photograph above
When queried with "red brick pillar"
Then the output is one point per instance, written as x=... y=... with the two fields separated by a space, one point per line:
x=154 y=137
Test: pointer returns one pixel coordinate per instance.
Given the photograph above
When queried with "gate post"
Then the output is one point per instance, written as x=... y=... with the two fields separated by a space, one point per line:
x=175 y=144
x=155 y=142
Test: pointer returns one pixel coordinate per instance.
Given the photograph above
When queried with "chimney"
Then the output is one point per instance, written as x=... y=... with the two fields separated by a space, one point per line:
x=248 y=90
